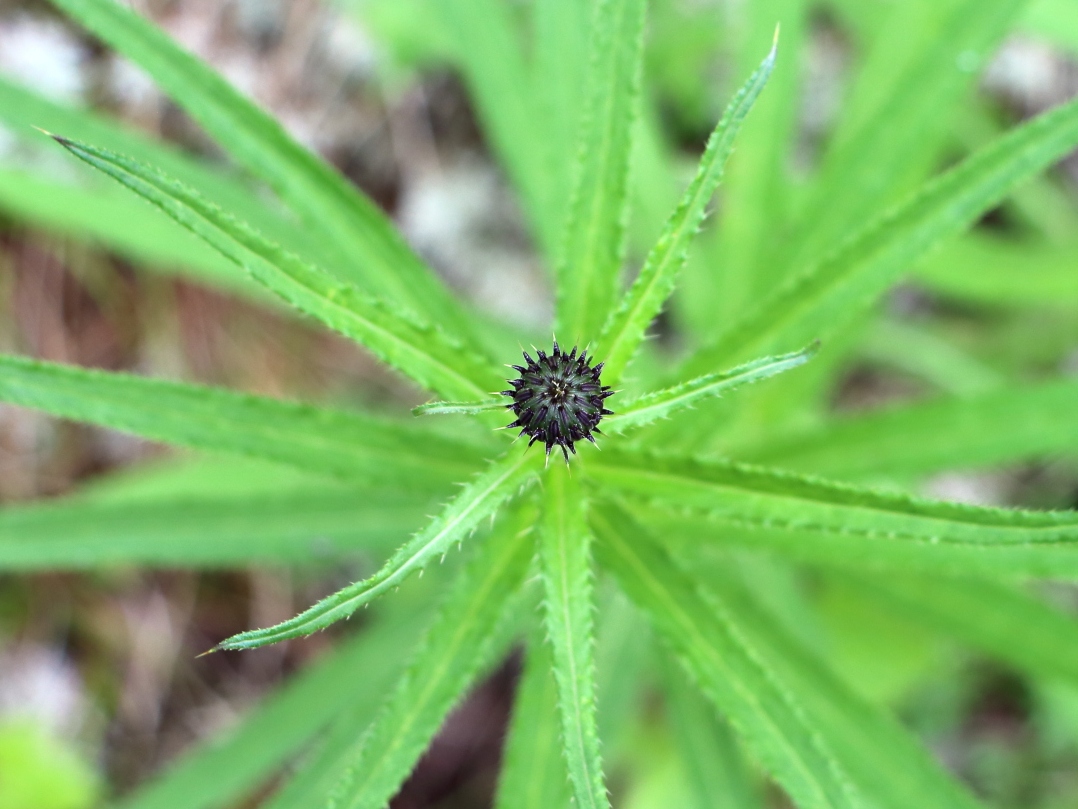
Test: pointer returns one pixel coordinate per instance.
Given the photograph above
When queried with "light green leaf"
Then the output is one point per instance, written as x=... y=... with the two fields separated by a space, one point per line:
x=470 y=632
x=590 y=263
x=738 y=264
x=367 y=249
x=715 y=767
x=302 y=524
x=565 y=564
x=721 y=662
x=809 y=518
x=996 y=427
x=886 y=764
x=26 y=113
x=458 y=408
x=925 y=56
x=478 y=500
x=533 y=772
x=663 y=403
x=488 y=49
x=817 y=302
x=912 y=349
x=1003 y=272
x=625 y=328
x=425 y=353
x=995 y=618
x=231 y=766
x=561 y=32
x=337 y=443
x=110 y=216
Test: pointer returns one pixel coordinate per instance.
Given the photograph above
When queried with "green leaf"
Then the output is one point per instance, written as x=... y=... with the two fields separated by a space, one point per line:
x=721 y=662
x=457 y=408
x=337 y=443
x=914 y=350
x=303 y=524
x=568 y=600
x=661 y=404
x=1000 y=426
x=1003 y=272
x=488 y=49
x=590 y=263
x=26 y=113
x=112 y=217
x=817 y=302
x=757 y=187
x=478 y=500
x=1018 y=628
x=886 y=764
x=809 y=518
x=715 y=767
x=367 y=249
x=625 y=328
x=470 y=632
x=425 y=353
x=222 y=772
x=533 y=768
x=561 y=33
x=925 y=57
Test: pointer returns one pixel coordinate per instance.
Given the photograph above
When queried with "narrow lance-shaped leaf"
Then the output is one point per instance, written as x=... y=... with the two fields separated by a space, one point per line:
x=471 y=631
x=26 y=113
x=721 y=504
x=721 y=663
x=716 y=769
x=228 y=768
x=625 y=328
x=487 y=48
x=995 y=427
x=479 y=499
x=996 y=618
x=565 y=562
x=830 y=294
x=366 y=248
x=924 y=58
x=457 y=408
x=887 y=765
x=533 y=772
x=590 y=262
x=335 y=443
x=302 y=524
x=663 y=403
x=422 y=352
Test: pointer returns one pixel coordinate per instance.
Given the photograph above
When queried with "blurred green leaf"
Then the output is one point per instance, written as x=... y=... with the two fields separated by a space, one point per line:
x=470 y=632
x=589 y=267
x=533 y=772
x=721 y=663
x=222 y=771
x=480 y=499
x=818 y=301
x=422 y=351
x=986 y=429
x=38 y=771
x=337 y=443
x=367 y=249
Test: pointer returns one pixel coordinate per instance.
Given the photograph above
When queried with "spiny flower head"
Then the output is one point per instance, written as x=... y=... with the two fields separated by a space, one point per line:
x=558 y=399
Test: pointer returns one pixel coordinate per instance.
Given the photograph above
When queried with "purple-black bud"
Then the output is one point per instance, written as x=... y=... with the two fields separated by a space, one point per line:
x=558 y=399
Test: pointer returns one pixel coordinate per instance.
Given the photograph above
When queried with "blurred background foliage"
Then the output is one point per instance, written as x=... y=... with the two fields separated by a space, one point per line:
x=98 y=688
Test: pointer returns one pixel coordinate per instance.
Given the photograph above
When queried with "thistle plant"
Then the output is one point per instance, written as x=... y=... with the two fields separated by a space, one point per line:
x=705 y=457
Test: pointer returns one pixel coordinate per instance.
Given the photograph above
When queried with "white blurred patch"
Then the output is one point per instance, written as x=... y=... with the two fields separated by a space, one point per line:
x=40 y=683
x=44 y=56
x=967 y=487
